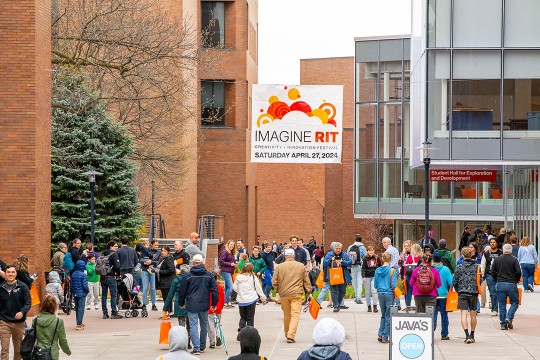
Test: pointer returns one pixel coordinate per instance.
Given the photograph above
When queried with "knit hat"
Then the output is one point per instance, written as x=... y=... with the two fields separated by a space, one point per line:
x=329 y=331
x=437 y=257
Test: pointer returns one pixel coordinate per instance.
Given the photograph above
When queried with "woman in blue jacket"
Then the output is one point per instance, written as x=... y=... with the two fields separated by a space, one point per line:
x=385 y=281
x=337 y=257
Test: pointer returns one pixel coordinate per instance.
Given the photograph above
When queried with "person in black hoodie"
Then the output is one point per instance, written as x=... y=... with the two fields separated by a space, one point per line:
x=166 y=272
x=370 y=263
x=250 y=343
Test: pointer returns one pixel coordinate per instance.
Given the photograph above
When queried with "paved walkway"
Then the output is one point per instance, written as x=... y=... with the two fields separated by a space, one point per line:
x=137 y=338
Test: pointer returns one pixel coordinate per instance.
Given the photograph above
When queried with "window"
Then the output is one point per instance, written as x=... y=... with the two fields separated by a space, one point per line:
x=213 y=24
x=213 y=103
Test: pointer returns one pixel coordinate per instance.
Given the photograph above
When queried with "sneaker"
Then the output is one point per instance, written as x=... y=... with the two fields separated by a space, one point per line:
x=290 y=341
x=212 y=346
x=359 y=301
x=445 y=338
x=509 y=324
x=195 y=352
x=218 y=341
x=369 y=308
x=105 y=316
x=494 y=313
x=329 y=306
x=202 y=350
x=375 y=308
x=96 y=307
x=504 y=327
x=531 y=287
x=79 y=327
x=88 y=308
x=385 y=341
x=466 y=340
x=117 y=316
x=154 y=308
x=336 y=309
x=379 y=338
x=469 y=340
x=343 y=307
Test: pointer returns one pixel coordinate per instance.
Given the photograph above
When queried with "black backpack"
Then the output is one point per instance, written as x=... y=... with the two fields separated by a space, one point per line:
x=103 y=266
x=28 y=343
x=354 y=254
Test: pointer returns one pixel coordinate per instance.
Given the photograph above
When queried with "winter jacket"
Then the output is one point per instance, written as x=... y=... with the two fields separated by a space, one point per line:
x=290 y=279
x=11 y=303
x=448 y=259
x=178 y=345
x=54 y=287
x=225 y=260
x=382 y=280
x=465 y=277
x=45 y=333
x=195 y=289
x=56 y=261
x=91 y=272
x=149 y=254
x=250 y=343
x=128 y=258
x=173 y=293
x=300 y=255
x=181 y=257
x=269 y=260
x=369 y=265
x=346 y=263
x=166 y=273
x=259 y=265
x=446 y=280
x=221 y=300
x=248 y=289
x=25 y=278
x=79 y=281
x=324 y=352
x=436 y=276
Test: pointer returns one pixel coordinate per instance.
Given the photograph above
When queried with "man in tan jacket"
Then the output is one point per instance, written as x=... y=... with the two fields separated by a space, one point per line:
x=290 y=280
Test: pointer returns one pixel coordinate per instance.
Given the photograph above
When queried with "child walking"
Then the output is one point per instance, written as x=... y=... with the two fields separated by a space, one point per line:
x=215 y=341
x=370 y=263
x=79 y=287
x=249 y=291
x=93 y=283
x=385 y=282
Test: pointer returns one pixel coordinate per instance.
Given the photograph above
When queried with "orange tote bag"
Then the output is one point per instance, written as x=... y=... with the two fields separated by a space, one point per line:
x=451 y=300
x=336 y=275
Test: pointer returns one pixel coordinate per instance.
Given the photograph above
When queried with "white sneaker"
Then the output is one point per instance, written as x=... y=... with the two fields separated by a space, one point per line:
x=96 y=307
x=494 y=313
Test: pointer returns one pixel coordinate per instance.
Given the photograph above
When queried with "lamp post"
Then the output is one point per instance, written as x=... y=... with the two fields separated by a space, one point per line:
x=426 y=147
x=92 y=179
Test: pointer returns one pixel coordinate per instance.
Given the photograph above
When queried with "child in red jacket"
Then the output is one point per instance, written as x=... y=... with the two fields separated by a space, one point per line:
x=219 y=308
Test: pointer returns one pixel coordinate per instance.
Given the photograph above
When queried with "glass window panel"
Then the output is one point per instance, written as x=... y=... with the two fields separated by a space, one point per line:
x=213 y=24
x=367 y=81
x=367 y=181
x=464 y=192
x=390 y=80
x=213 y=103
x=477 y=64
x=366 y=131
x=390 y=125
x=391 y=50
x=390 y=180
x=438 y=86
x=477 y=23
x=521 y=104
x=439 y=23
x=476 y=105
x=367 y=51
x=522 y=64
x=521 y=23
x=407 y=49
x=413 y=182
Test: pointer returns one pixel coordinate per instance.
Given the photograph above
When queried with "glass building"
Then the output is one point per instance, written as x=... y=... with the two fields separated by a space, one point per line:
x=468 y=81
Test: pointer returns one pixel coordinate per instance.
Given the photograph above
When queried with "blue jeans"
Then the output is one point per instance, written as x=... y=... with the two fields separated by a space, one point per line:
x=80 y=302
x=385 y=300
x=357 y=281
x=370 y=291
x=527 y=272
x=492 y=292
x=323 y=292
x=408 y=294
x=441 y=306
x=199 y=341
x=338 y=294
x=267 y=289
x=505 y=290
x=227 y=277
x=108 y=284
x=148 y=280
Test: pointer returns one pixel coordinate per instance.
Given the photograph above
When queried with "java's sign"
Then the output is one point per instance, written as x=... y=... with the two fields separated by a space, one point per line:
x=297 y=124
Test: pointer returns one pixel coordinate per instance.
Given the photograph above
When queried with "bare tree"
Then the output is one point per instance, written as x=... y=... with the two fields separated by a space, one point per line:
x=376 y=228
x=141 y=59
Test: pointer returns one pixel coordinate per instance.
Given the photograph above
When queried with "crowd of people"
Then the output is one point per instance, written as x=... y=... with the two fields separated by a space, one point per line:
x=285 y=273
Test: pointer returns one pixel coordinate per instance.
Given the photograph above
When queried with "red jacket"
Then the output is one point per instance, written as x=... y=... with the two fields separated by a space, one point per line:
x=221 y=300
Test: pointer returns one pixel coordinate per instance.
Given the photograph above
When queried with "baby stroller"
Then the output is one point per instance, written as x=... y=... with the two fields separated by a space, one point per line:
x=128 y=298
x=69 y=302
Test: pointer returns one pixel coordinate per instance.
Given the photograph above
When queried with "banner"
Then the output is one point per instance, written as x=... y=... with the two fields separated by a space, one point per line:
x=297 y=124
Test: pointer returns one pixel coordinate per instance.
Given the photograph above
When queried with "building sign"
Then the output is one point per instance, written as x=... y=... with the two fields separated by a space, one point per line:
x=411 y=336
x=297 y=124
x=463 y=175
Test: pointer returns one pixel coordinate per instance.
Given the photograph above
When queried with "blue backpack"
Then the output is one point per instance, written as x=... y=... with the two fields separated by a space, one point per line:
x=67 y=263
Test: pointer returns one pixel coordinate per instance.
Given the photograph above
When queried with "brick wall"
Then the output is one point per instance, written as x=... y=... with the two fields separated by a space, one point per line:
x=25 y=132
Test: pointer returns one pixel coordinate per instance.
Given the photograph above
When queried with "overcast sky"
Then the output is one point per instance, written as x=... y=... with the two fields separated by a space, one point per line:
x=290 y=30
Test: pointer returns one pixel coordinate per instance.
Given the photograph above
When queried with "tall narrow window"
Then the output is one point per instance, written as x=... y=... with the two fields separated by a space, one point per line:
x=213 y=103
x=213 y=24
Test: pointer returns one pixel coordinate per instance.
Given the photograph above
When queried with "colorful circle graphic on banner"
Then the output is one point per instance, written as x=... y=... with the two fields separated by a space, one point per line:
x=411 y=346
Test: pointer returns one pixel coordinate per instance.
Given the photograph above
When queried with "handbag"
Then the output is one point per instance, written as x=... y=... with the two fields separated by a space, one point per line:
x=28 y=343
x=320 y=280
x=451 y=300
x=537 y=275
x=336 y=275
x=45 y=354
x=314 y=307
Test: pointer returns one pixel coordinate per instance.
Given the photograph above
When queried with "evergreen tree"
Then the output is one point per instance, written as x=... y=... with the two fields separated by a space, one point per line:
x=83 y=137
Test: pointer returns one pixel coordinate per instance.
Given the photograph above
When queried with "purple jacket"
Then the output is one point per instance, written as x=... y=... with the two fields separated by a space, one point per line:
x=437 y=277
x=225 y=261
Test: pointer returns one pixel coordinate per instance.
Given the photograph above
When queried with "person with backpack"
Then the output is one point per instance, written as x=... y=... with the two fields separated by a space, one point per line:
x=357 y=251
x=50 y=330
x=425 y=280
x=411 y=262
x=79 y=288
x=466 y=286
x=108 y=267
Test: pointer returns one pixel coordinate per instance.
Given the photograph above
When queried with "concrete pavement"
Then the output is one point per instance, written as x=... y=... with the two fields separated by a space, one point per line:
x=137 y=338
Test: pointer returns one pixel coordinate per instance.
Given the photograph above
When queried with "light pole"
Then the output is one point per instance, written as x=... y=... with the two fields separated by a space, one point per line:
x=92 y=179
x=426 y=147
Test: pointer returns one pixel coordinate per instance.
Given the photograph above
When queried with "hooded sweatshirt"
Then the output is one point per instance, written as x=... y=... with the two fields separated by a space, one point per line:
x=382 y=280
x=446 y=279
x=79 y=281
x=178 y=344
x=250 y=343
x=54 y=287
x=248 y=289
x=324 y=352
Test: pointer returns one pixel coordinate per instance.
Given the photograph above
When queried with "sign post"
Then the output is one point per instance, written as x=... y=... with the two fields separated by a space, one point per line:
x=411 y=335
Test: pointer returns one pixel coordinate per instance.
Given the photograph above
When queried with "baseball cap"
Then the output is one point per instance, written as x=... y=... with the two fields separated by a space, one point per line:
x=491 y=237
x=198 y=258
x=289 y=252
